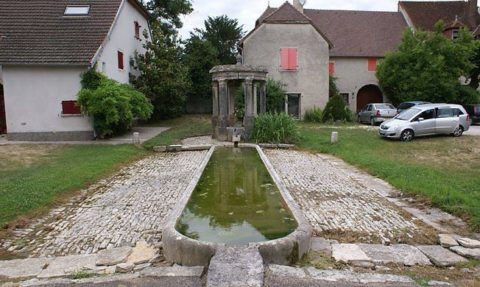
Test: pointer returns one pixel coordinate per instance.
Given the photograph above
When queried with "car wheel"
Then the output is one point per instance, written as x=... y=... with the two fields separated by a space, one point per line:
x=458 y=132
x=406 y=136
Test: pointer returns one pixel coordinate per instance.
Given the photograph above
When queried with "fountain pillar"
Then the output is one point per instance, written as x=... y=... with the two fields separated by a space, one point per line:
x=223 y=116
x=249 y=119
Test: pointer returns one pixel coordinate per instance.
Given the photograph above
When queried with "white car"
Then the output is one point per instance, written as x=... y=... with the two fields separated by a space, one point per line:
x=425 y=120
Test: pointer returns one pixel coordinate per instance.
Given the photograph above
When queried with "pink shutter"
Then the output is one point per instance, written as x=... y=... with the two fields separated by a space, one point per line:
x=292 y=59
x=284 y=58
x=331 y=68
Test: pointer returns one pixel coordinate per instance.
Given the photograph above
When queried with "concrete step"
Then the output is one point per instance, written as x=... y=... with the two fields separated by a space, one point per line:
x=236 y=267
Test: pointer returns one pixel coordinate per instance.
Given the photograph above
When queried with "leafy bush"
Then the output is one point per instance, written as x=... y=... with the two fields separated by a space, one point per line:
x=113 y=106
x=313 y=115
x=275 y=128
x=275 y=96
x=337 y=110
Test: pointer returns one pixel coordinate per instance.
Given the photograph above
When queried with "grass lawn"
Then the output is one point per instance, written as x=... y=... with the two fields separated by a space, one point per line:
x=181 y=128
x=444 y=170
x=35 y=177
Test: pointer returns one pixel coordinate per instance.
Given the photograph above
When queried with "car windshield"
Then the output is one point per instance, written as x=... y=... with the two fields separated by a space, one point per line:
x=405 y=106
x=384 y=107
x=408 y=114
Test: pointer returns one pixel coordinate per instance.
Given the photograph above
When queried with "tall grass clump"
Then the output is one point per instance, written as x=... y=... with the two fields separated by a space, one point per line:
x=275 y=128
x=313 y=115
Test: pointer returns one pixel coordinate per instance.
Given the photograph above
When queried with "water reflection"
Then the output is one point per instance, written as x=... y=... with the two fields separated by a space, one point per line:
x=236 y=202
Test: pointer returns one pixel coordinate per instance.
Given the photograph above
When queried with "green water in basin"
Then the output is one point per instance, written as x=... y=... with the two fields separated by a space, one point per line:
x=236 y=202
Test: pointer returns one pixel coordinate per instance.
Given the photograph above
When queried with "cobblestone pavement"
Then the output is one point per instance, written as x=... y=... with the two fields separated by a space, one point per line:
x=119 y=211
x=339 y=205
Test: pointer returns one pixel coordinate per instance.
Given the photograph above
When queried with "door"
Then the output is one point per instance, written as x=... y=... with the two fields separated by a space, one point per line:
x=446 y=121
x=294 y=105
x=3 y=120
x=425 y=123
x=369 y=94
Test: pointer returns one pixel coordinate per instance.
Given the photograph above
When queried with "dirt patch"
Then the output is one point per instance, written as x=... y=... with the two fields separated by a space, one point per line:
x=14 y=156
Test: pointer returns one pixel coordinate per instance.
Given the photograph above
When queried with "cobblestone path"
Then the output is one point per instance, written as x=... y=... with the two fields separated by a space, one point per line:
x=119 y=211
x=338 y=204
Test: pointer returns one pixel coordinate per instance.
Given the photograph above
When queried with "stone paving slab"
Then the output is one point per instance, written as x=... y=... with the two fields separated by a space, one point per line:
x=447 y=240
x=440 y=256
x=283 y=276
x=128 y=207
x=61 y=266
x=236 y=267
x=335 y=200
x=467 y=252
x=349 y=254
x=396 y=254
x=469 y=243
x=23 y=268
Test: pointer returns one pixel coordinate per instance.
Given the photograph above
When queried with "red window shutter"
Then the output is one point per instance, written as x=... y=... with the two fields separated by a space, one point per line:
x=70 y=108
x=284 y=58
x=292 y=59
x=120 y=60
x=331 y=68
x=137 y=30
x=372 y=65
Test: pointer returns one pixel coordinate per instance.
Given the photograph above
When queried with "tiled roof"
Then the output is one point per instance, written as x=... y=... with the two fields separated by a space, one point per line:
x=37 y=32
x=424 y=15
x=359 y=33
x=351 y=33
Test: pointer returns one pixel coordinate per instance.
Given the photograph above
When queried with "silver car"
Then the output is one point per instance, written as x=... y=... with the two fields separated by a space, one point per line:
x=376 y=113
x=427 y=120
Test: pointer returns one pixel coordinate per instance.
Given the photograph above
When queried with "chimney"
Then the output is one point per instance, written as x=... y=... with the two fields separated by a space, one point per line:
x=299 y=6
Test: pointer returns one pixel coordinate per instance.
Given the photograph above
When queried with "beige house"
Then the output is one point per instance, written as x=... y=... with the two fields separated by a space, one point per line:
x=303 y=47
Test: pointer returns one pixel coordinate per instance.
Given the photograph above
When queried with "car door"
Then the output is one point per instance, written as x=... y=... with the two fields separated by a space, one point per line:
x=446 y=121
x=362 y=113
x=425 y=123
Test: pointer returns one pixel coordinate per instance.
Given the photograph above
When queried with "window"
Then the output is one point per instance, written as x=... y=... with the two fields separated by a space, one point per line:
x=121 y=65
x=445 y=113
x=426 y=115
x=77 y=10
x=289 y=59
x=372 y=65
x=137 y=30
x=455 y=33
x=293 y=105
x=331 y=68
x=70 y=108
x=346 y=97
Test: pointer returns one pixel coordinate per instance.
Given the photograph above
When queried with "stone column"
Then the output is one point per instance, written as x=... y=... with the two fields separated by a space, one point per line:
x=249 y=119
x=255 y=94
x=263 y=98
x=231 y=103
x=215 y=106
x=221 y=130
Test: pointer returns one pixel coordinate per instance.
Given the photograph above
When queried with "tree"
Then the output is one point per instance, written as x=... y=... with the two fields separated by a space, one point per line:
x=224 y=34
x=167 y=13
x=200 y=57
x=427 y=66
x=161 y=75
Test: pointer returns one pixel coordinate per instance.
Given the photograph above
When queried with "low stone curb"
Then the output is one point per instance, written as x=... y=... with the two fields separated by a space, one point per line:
x=277 y=146
x=160 y=276
x=180 y=148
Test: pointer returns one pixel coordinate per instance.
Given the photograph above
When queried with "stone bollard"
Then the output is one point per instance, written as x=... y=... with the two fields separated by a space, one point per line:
x=334 y=138
x=136 y=138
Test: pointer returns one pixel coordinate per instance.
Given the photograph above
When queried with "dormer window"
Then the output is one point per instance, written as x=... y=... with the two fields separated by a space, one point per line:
x=455 y=34
x=77 y=10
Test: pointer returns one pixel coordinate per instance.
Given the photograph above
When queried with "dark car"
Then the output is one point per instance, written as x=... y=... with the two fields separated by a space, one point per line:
x=406 y=105
x=474 y=112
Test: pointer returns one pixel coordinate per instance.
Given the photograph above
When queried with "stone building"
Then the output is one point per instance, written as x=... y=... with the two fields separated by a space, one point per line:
x=303 y=47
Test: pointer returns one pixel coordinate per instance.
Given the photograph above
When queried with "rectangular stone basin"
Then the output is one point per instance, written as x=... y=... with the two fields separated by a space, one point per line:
x=236 y=202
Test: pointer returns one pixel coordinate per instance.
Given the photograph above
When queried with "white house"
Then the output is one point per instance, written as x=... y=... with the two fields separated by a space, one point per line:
x=45 y=45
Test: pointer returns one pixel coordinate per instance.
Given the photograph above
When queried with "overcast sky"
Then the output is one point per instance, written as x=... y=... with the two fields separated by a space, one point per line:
x=247 y=11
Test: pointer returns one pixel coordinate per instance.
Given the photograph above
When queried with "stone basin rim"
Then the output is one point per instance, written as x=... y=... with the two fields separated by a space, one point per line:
x=183 y=250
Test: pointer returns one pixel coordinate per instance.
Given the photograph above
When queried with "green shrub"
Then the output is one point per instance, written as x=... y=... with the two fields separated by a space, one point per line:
x=114 y=106
x=313 y=115
x=337 y=110
x=275 y=128
x=275 y=96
